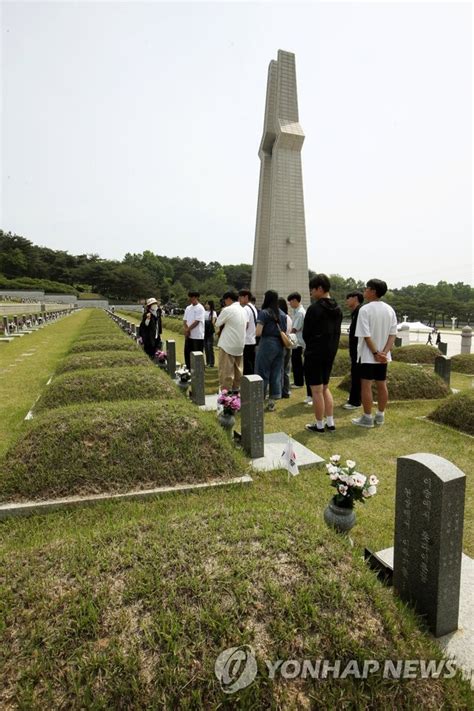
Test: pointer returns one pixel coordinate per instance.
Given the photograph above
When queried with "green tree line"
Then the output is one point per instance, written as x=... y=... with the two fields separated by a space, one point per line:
x=28 y=266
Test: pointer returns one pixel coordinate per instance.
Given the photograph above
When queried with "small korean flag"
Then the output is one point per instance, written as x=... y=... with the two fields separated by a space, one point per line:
x=288 y=457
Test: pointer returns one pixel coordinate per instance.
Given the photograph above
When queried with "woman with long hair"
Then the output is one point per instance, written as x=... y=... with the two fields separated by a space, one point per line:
x=269 y=361
x=286 y=367
x=209 y=330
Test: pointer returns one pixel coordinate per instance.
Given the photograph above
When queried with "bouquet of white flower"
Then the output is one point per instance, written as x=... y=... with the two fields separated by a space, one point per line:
x=350 y=485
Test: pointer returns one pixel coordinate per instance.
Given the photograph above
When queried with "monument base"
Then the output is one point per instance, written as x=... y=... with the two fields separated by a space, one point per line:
x=274 y=444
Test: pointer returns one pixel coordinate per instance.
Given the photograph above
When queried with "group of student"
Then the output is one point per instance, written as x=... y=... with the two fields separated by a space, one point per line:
x=266 y=341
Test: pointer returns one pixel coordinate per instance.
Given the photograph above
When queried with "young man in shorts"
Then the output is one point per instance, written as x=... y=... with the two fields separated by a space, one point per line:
x=376 y=329
x=321 y=333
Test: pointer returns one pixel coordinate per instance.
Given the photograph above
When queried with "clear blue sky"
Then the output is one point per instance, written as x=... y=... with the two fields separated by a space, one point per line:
x=133 y=126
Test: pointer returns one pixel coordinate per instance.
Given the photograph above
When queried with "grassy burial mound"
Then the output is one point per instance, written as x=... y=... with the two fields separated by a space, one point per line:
x=416 y=353
x=406 y=382
x=103 y=384
x=112 y=338
x=344 y=342
x=130 y=605
x=173 y=324
x=457 y=411
x=103 y=344
x=117 y=447
x=463 y=363
x=342 y=364
x=104 y=359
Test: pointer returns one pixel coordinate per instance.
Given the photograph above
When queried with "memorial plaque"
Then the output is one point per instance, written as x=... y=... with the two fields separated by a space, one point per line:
x=171 y=353
x=398 y=342
x=443 y=348
x=251 y=415
x=466 y=338
x=198 y=395
x=429 y=517
x=442 y=368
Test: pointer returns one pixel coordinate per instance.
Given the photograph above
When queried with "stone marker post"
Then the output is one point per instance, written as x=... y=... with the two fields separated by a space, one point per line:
x=198 y=395
x=443 y=348
x=171 y=353
x=466 y=338
x=398 y=342
x=429 y=517
x=17 y=325
x=251 y=415
x=6 y=329
x=405 y=334
x=442 y=368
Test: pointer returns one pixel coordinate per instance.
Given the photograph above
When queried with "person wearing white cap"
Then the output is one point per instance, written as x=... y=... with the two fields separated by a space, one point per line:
x=150 y=328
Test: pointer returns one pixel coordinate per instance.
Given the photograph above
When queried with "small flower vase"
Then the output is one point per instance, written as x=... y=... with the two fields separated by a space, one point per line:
x=341 y=518
x=183 y=385
x=227 y=422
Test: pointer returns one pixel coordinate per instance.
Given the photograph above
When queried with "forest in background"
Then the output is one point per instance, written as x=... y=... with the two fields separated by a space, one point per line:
x=24 y=265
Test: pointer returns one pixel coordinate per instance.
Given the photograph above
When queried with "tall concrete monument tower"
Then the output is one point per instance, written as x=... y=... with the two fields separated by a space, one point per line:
x=280 y=259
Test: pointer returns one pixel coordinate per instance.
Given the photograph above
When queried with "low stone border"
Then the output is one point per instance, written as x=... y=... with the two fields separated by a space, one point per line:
x=445 y=427
x=39 y=507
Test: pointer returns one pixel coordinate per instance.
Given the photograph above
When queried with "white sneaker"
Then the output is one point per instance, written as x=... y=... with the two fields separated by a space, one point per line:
x=308 y=400
x=348 y=406
x=296 y=387
x=363 y=421
x=379 y=418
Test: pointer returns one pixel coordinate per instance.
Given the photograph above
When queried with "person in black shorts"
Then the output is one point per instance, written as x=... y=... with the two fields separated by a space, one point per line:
x=321 y=333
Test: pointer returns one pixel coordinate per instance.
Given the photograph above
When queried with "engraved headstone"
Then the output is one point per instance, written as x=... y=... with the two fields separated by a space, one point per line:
x=443 y=348
x=429 y=516
x=6 y=328
x=442 y=368
x=171 y=353
x=466 y=338
x=405 y=334
x=251 y=415
x=198 y=395
x=398 y=342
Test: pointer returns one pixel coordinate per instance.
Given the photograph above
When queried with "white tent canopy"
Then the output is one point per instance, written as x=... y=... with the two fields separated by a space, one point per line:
x=416 y=326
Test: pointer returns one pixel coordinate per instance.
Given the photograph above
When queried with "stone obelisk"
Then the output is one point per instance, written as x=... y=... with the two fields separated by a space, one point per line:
x=280 y=259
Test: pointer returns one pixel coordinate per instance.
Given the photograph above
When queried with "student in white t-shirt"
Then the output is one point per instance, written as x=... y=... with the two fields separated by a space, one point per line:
x=376 y=330
x=193 y=321
x=251 y=315
x=231 y=324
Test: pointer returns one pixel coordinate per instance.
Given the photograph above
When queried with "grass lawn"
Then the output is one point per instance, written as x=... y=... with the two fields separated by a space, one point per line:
x=23 y=376
x=127 y=605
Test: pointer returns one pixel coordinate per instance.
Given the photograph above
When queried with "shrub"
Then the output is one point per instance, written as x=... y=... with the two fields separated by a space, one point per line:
x=409 y=382
x=107 y=384
x=457 y=411
x=463 y=363
x=116 y=447
x=415 y=353
x=342 y=364
x=125 y=344
x=104 y=359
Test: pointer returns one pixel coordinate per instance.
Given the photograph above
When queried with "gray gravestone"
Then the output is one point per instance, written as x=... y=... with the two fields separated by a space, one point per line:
x=443 y=348
x=466 y=338
x=198 y=395
x=398 y=342
x=171 y=354
x=442 y=368
x=17 y=325
x=6 y=328
x=405 y=334
x=429 y=517
x=251 y=415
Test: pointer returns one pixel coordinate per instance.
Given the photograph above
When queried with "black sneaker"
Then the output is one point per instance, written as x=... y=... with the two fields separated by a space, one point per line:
x=313 y=427
x=331 y=428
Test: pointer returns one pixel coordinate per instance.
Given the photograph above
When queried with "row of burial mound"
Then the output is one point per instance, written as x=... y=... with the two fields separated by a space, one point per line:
x=111 y=422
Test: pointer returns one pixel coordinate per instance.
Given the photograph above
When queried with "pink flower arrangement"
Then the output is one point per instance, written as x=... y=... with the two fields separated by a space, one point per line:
x=350 y=485
x=161 y=356
x=230 y=403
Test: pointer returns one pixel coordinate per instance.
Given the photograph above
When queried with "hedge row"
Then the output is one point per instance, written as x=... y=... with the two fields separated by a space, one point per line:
x=407 y=382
